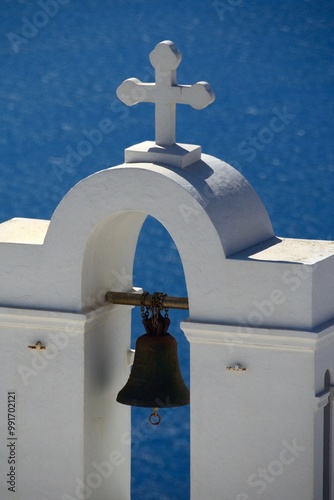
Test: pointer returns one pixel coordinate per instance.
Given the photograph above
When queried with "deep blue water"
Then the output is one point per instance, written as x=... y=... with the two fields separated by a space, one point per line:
x=262 y=58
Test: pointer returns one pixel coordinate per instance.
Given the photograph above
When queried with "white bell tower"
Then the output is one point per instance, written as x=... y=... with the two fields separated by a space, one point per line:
x=261 y=327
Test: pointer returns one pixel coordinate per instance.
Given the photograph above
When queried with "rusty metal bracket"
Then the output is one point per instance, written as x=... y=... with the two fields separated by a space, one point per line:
x=236 y=368
x=38 y=346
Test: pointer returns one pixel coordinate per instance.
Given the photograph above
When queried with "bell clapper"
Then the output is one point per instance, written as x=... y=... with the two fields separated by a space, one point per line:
x=154 y=415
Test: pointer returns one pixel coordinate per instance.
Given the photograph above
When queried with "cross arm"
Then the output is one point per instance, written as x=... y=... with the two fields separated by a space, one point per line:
x=198 y=96
x=132 y=91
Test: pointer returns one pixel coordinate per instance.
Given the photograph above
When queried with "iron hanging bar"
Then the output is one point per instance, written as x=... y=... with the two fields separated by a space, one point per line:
x=136 y=299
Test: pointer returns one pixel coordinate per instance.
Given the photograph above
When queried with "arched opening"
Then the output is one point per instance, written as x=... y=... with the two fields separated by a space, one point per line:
x=160 y=454
x=211 y=212
x=327 y=442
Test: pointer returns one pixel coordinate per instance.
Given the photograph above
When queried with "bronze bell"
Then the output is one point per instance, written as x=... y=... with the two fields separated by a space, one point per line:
x=155 y=380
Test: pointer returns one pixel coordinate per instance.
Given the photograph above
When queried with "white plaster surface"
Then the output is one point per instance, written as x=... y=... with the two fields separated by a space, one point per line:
x=28 y=231
x=68 y=426
x=255 y=300
x=176 y=155
x=290 y=250
x=253 y=418
x=49 y=413
x=207 y=201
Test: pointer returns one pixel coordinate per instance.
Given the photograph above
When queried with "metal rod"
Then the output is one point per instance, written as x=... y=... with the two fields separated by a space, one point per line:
x=135 y=299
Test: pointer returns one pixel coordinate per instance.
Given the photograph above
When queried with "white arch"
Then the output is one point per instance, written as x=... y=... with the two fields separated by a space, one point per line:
x=208 y=208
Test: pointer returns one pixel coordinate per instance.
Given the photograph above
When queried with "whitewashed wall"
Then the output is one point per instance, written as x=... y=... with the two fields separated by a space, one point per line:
x=255 y=300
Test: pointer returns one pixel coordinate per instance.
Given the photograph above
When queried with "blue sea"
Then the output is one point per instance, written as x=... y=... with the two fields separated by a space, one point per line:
x=61 y=62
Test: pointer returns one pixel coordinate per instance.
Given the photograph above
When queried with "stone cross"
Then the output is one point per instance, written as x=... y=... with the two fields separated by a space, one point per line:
x=165 y=93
